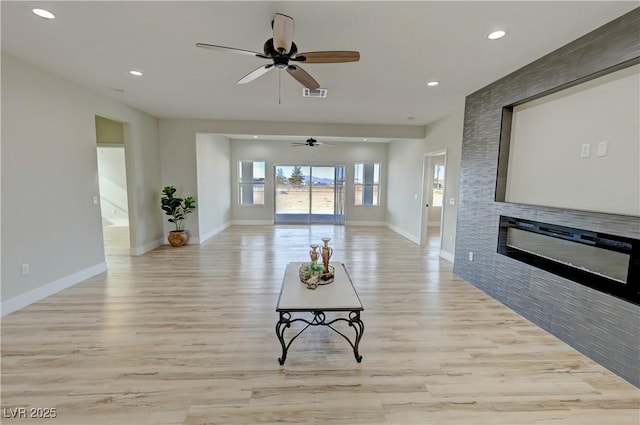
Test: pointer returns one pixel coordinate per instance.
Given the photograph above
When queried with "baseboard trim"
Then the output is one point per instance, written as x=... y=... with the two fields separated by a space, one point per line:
x=252 y=222
x=365 y=223
x=447 y=256
x=46 y=290
x=412 y=238
x=140 y=250
x=212 y=233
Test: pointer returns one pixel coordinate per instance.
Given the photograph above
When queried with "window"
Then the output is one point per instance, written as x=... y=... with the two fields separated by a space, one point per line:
x=438 y=185
x=366 y=181
x=251 y=182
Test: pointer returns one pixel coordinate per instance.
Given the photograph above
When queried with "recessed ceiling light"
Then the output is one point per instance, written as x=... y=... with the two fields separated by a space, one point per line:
x=364 y=140
x=433 y=83
x=255 y=137
x=135 y=73
x=496 y=35
x=44 y=13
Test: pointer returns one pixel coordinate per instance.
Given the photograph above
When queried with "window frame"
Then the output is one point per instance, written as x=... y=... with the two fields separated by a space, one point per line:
x=375 y=186
x=252 y=184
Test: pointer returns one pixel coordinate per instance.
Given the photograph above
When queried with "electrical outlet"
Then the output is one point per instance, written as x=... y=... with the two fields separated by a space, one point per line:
x=470 y=256
x=25 y=269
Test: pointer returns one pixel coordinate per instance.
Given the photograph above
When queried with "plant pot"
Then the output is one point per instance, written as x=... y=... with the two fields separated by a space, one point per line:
x=178 y=237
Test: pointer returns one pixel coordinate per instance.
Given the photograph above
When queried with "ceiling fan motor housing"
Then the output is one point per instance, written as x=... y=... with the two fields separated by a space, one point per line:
x=280 y=60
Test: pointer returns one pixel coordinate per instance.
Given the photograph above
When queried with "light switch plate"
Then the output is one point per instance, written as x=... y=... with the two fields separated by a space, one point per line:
x=602 y=148
x=585 y=150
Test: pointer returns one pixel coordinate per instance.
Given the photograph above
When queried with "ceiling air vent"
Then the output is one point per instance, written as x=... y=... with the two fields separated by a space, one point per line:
x=314 y=93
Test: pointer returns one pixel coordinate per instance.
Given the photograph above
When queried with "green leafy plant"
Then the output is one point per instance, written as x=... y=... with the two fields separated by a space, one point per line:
x=313 y=268
x=176 y=208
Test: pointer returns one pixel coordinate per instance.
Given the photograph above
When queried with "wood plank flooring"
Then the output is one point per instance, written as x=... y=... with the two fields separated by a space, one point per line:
x=186 y=336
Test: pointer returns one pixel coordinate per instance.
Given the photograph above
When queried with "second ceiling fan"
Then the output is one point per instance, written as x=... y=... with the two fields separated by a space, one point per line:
x=281 y=50
x=311 y=142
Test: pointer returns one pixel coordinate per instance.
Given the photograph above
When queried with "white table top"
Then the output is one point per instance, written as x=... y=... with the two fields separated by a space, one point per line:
x=340 y=295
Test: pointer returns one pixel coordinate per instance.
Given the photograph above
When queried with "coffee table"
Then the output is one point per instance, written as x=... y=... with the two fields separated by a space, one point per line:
x=295 y=300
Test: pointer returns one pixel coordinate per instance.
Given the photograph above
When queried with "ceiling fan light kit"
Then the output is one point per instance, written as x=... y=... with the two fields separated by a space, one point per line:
x=281 y=50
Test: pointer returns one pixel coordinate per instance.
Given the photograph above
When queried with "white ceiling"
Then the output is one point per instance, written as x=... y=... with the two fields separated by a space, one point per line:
x=402 y=44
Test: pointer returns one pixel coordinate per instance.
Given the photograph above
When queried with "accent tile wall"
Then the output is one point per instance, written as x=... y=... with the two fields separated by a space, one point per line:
x=601 y=326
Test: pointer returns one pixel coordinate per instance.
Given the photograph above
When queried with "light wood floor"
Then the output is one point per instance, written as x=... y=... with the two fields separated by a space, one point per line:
x=186 y=336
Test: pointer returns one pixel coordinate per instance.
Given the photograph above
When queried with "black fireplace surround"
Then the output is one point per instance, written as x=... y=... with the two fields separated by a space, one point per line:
x=607 y=263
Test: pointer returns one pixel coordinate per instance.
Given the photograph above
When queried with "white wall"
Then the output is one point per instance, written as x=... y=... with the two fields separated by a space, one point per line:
x=282 y=153
x=213 y=198
x=404 y=181
x=50 y=177
x=545 y=167
x=446 y=134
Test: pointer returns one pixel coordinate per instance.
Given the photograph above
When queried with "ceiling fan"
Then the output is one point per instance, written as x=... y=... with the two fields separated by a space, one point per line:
x=311 y=142
x=281 y=50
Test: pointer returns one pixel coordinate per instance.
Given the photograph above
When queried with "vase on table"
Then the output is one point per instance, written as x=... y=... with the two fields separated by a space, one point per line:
x=326 y=253
x=313 y=253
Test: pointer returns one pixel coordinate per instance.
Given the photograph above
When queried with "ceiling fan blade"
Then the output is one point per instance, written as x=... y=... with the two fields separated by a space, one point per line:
x=230 y=49
x=282 y=32
x=303 y=77
x=327 y=57
x=255 y=74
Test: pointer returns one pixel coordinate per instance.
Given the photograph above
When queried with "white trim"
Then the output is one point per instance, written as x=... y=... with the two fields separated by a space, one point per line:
x=140 y=250
x=401 y=232
x=252 y=222
x=365 y=223
x=37 y=294
x=447 y=256
x=212 y=233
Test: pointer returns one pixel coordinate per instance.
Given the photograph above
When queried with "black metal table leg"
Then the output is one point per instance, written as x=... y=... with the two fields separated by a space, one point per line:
x=358 y=326
x=283 y=323
x=319 y=319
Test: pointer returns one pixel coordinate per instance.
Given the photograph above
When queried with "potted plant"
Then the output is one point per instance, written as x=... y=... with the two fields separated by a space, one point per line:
x=177 y=209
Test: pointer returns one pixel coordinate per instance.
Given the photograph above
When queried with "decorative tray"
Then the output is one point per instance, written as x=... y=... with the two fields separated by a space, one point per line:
x=314 y=281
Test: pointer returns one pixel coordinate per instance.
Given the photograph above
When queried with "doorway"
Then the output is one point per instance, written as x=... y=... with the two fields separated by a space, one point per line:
x=112 y=185
x=307 y=194
x=434 y=169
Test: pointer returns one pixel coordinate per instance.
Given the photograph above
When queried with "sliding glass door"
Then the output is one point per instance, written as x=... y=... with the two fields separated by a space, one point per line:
x=306 y=194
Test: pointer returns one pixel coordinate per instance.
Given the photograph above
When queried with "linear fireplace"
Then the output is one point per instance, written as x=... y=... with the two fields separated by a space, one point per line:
x=607 y=263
